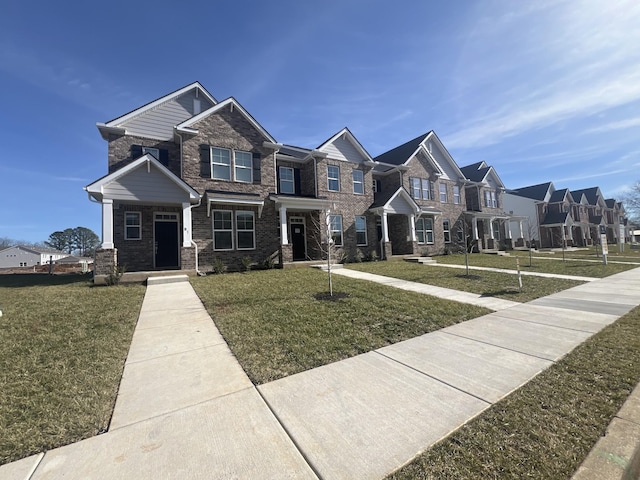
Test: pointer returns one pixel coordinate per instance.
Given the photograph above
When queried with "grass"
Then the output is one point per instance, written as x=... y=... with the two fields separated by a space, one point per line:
x=63 y=344
x=546 y=263
x=276 y=327
x=547 y=427
x=490 y=284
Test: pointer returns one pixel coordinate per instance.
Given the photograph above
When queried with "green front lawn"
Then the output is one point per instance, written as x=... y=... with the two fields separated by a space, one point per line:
x=490 y=284
x=276 y=326
x=546 y=428
x=546 y=263
x=63 y=344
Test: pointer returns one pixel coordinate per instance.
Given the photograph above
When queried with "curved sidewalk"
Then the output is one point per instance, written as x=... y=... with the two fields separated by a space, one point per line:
x=186 y=409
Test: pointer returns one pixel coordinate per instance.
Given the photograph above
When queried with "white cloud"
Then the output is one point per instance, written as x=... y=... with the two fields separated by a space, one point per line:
x=616 y=125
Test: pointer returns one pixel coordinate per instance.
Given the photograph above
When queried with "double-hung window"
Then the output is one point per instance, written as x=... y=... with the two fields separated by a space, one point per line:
x=456 y=194
x=243 y=166
x=443 y=192
x=426 y=189
x=221 y=163
x=222 y=230
x=446 y=228
x=245 y=230
x=358 y=182
x=333 y=178
x=415 y=188
x=335 y=226
x=424 y=230
x=132 y=226
x=361 y=230
x=233 y=165
x=287 y=182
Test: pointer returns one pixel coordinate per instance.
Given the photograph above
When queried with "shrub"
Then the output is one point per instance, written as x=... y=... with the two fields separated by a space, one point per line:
x=116 y=275
x=246 y=263
x=218 y=266
x=268 y=263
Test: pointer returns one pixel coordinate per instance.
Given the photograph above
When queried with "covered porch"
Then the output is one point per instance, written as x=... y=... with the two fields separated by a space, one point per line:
x=490 y=231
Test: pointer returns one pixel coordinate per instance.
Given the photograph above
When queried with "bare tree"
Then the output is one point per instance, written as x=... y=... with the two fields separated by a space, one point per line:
x=324 y=239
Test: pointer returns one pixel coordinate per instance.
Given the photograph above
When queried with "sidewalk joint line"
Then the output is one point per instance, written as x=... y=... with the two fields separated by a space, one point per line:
x=503 y=347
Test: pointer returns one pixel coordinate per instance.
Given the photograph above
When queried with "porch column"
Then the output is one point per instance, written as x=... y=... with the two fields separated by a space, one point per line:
x=520 y=226
x=412 y=227
x=507 y=229
x=491 y=229
x=385 y=228
x=474 y=224
x=186 y=225
x=284 y=237
x=107 y=224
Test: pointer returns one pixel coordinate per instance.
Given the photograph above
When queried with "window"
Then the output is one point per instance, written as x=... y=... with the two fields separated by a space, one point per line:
x=426 y=189
x=222 y=230
x=132 y=226
x=245 y=231
x=376 y=186
x=432 y=190
x=456 y=194
x=496 y=230
x=287 y=183
x=424 y=230
x=153 y=151
x=243 y=166
x=415 y=188
x=358 y=182
x=221 y=163
x=460 y=233
x=446 y=228
x=333 y=176
x=361 y=230
x=443 y=192
x=335 y=225
x=490 y=199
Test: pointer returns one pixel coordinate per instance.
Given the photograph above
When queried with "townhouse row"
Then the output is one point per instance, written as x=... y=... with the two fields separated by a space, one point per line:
x=193 y=182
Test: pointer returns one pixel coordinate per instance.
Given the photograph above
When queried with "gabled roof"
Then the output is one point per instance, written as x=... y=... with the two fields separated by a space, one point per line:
x=610 y=202
x=399 y=155
x=383 y=199
x=560 y=196
x=535 y=192
x=186 y=126
x=36 y=250
x=349 y=137
x=478 y=172
x=591 y=194
x=596 y=219
x=405 y=152
x=114 y=124
x=95 y=189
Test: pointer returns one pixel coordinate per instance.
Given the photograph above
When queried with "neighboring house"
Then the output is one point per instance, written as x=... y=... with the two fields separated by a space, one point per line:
x=419 y=197
x=21 y=256
x=490 y=225
x=529 y=203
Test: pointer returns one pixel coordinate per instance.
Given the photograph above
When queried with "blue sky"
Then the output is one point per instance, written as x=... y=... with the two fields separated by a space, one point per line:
x=543 y=91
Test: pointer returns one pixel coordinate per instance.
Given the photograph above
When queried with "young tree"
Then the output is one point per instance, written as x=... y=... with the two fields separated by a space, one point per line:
x=324 y=241
x=631 y=201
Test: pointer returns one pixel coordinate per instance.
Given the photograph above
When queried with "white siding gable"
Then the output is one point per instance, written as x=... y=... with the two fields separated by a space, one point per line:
x=399 y=205
x=158 y=122
x=145 y=186
x=448 y=170
x=342 y=149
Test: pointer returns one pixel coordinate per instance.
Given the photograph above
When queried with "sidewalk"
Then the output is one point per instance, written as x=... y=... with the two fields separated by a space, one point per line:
x=186 y=409
x=515 y=272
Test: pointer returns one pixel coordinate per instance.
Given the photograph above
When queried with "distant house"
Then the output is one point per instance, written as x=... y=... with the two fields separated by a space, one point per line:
x=21 y=256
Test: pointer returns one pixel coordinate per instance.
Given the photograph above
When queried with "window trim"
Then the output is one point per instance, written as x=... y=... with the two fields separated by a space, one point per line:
x=213 y=226
x=138 y=226
x=213 y=163
x=330 y=178
x=238 y=230
x=425 y=231
x=457 y=199
x=332 y=230
x=442 y=185
x=446 y=230
x=281 y=180
x=426 y=188
x=364 y=230
x=358 y=182
x=416 y=184
x=243 y=167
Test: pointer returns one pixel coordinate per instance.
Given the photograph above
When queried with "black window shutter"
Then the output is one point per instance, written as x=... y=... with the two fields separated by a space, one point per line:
x=257 y=160
x=296 y=180
x=164 y=157
x=205 y=161
x=136 y=151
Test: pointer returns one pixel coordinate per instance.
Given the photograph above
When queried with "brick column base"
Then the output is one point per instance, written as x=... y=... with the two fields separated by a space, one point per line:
x=105 y=263
x=188 y=258
x=286 y=253
x=387 y=250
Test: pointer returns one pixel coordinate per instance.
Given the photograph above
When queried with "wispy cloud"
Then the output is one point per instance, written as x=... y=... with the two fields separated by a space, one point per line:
x=618 y=125
x=581 y=58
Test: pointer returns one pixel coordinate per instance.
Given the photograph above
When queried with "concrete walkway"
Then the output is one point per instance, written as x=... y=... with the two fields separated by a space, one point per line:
x=186 y=410
x=515 y=272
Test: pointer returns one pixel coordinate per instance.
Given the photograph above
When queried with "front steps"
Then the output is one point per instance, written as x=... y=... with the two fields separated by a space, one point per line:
x=421 y=260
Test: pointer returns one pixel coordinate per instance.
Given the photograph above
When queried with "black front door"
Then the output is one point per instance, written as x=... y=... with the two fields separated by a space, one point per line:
x=297 y=241
x=166 y=244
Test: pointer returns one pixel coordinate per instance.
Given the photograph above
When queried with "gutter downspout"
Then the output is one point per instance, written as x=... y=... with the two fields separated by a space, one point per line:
x=201 y=274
